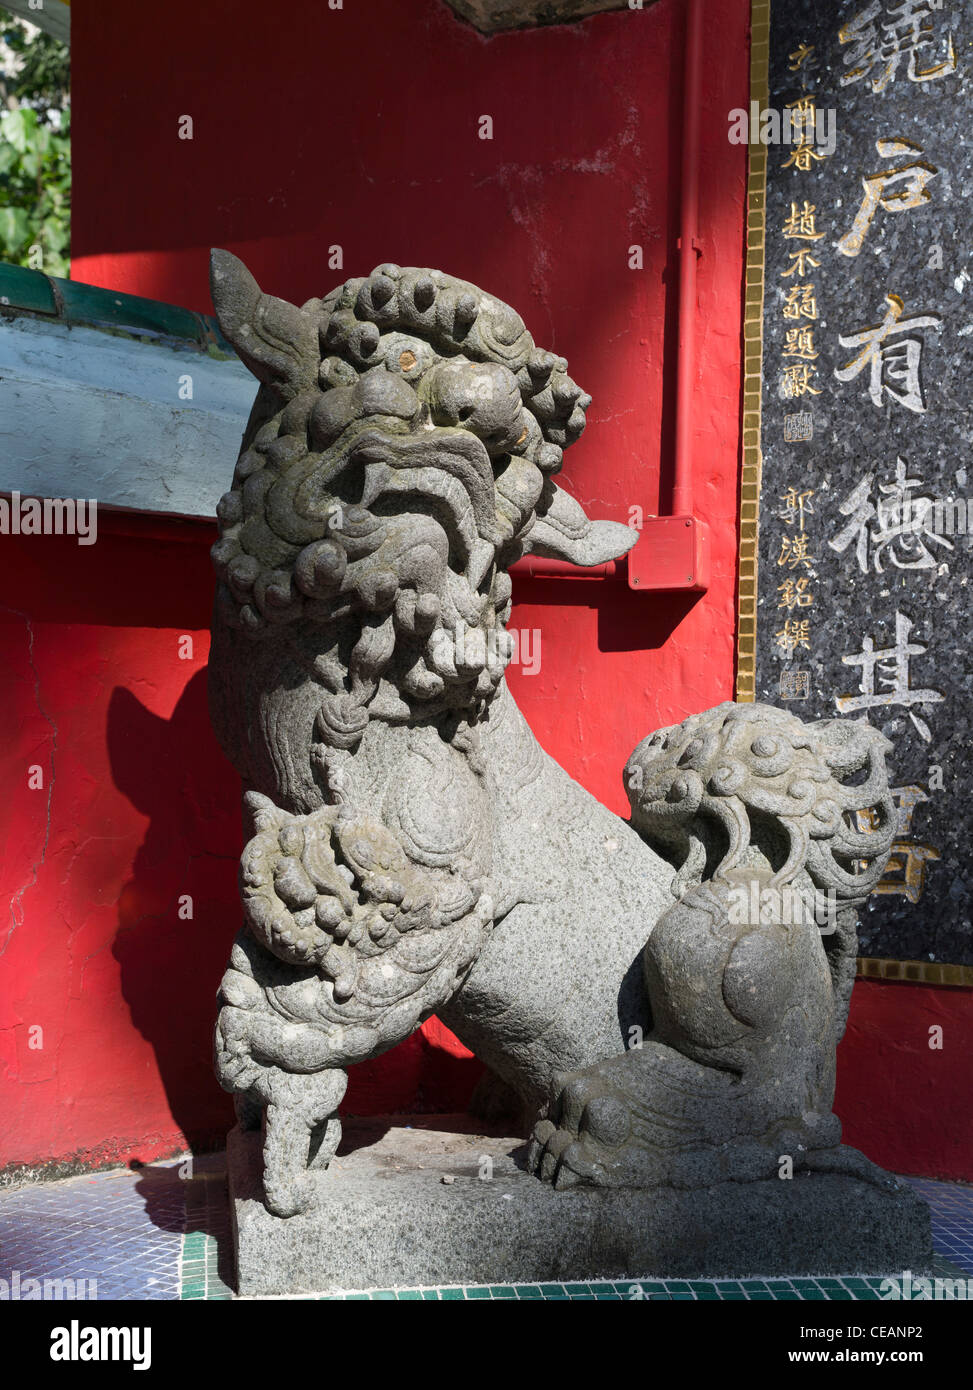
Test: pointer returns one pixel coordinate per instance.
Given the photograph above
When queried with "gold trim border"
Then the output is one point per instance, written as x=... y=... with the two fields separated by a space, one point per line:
x=915 y=972
x=753 y=330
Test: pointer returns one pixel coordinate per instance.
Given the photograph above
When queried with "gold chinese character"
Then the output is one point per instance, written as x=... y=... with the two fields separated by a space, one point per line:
x=869 y=821
x=796 y=593
x=794 y=551
x=886 y=678
x=801 y=222
x=800 y=302
x=801 y=156
x=800 y=343
x=881 y=191
x=802 y=258
x=909 y=29
x=802 y=116
x=796 y=506
x=801 y=53
x=889 y=364
x=796 y=632
x=905 y=873
x=796 y=380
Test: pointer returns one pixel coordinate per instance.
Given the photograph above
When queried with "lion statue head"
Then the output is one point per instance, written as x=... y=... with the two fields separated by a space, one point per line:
x=399 y=457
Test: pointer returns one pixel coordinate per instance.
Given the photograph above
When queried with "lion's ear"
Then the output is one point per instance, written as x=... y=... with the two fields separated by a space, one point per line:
x=565 y=532
x=276 y=340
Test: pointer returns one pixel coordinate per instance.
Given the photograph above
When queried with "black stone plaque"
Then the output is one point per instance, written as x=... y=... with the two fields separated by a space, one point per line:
x=866 y=488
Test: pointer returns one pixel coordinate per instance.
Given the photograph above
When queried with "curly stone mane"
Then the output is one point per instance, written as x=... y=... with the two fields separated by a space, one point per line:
x=399 y=457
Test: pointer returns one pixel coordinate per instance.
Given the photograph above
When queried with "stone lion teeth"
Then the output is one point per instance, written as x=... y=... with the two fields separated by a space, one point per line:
x=481 y=558
x=376 y=476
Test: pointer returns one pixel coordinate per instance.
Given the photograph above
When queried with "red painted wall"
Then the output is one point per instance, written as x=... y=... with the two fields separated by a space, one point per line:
x=904 y=1087
x=357 y=127
x=137 y=809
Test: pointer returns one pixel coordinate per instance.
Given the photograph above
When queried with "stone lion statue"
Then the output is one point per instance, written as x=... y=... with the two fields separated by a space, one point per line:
x=413 y=850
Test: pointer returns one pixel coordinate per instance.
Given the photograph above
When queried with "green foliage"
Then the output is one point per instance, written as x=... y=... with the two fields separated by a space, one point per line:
x=43 y=74
x=35 y=151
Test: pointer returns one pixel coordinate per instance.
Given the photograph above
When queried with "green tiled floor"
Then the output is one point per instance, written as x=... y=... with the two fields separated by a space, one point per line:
x=207 y=1229
x=198 y=1275
x=747 y=1290
x=200 y=1279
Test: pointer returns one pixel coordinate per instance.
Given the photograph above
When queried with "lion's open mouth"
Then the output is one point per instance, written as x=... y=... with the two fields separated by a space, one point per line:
x=398 y=460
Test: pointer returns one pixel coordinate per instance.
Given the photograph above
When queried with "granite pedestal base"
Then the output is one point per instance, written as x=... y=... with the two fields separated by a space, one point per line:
x=433 y=1203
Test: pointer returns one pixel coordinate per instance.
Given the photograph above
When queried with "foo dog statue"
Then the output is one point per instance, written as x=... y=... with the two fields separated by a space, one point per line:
x=413 y=850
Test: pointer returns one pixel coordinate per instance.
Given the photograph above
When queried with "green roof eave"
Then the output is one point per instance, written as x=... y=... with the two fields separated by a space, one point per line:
x=71 y=302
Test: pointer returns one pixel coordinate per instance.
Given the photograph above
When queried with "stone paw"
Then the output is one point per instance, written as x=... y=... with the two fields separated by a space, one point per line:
x=583 y=1138
x=290 y=1194
x=851 y=1163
